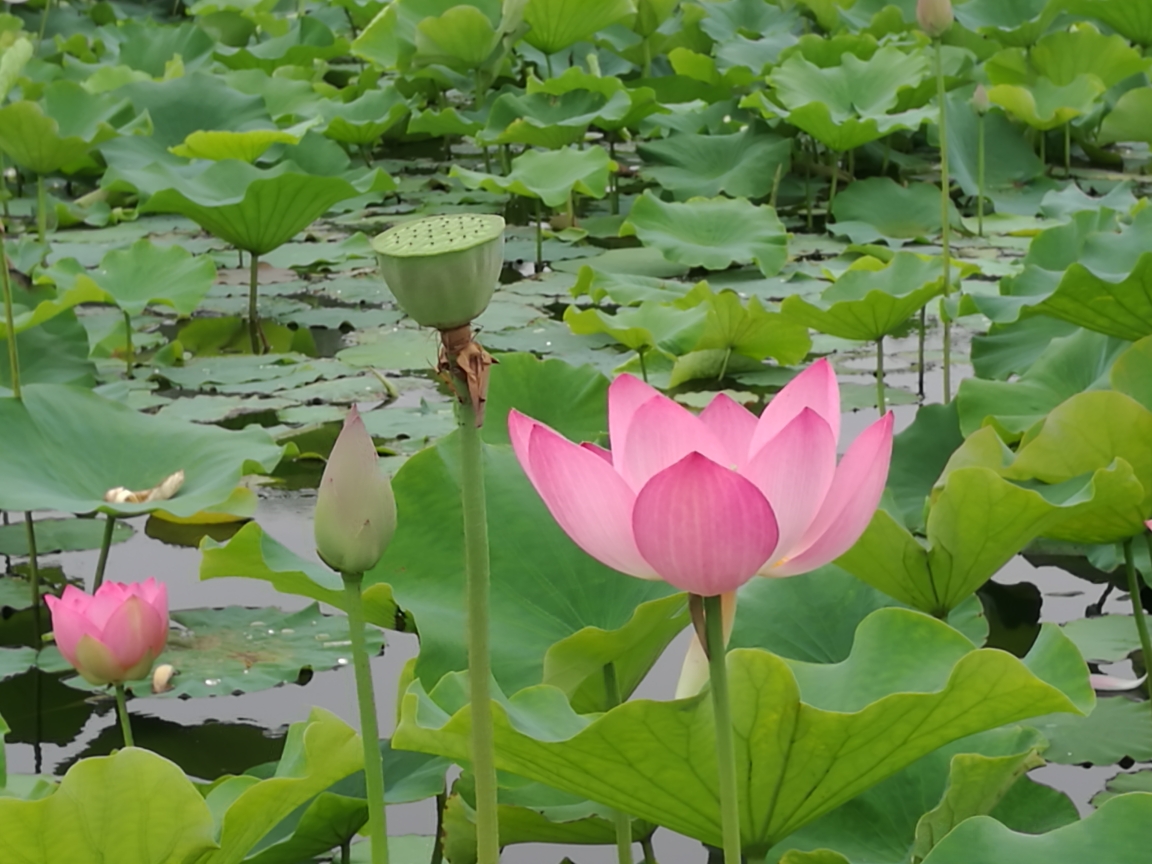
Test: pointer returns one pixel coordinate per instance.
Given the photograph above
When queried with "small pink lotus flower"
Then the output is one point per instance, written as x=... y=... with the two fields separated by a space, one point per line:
x=934 y=16
x=114 y=635
x=706 y=502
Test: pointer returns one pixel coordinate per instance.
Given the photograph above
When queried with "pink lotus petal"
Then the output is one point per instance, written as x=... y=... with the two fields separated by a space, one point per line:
x=69 y=624
x=814 y=388
x=795 y=472
x=733 y=424
x=1110 y=683
x=703 y=527
x=588 y=499
x=130 y=632
x=519 y=433
x=849 y=505
x=1148 y=524
x=598 y=450
x=625 y=395
x=662 y=433
x=694 y=672
x=96 y=663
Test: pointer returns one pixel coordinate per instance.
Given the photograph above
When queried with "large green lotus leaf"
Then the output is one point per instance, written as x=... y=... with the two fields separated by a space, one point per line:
x=31 y=308
x=463 y=38
x=52 y=439
x=1013 y=348
x=252 y=208
x=556 y=24
x=642 y=100
x=919 y=455
x=1104 y=639
x=714 y=233
x=809 y=737
x=744 y=165
x=550 y=176
x=1114 y=833
x=1117 y=729
x=190 y=103
x=1129 y=118
x=1010 y=22
x=12 y=61
x=133 y=807
x=143 y=275
x=868 y=304
x=362 y=121
x=1069 y=365
x=43 y=137
x=217 y=652
x=1044 y=105
x=879 y=208
x=1016 y=161
x=245 y=146
x=54 y=352
x=310 y=40
x=749 y=331
x=1132 y=372
x=1118 y=308
x=571 y=399
x=976 y=523
x=649 y=325
x=1131 y=19
x=60 y=535
x=149 y=48
x=543 y=120
x=390 y=39
x=1063 y=57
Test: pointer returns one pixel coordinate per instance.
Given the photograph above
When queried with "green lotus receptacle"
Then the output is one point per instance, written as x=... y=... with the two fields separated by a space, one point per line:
x=443 y=270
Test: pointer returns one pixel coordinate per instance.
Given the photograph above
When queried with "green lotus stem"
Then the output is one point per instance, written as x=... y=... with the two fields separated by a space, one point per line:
x=129 y=351
x=614 y=180
x=41 y=207
x=646 y=70
x=346 y=852
x=44 y=23
x=539 y=238
x=548 y=64
x=122 y=710
x=438 y=843
x=3 y=186
x=649 y=852
x=1068 y=149
x=33 y=574
x=9 y=318
x=643 y=366
x=105 y=545
x=253 y=306
x=476 y=565
x=980 y=176
x=775 y=196
x=1138 y=608
x=725 y=748
x=880 y=401
x=887 y=156
x=724 y=365
x=945 y=221
x=369 y=725
x=835 y=160
x=923 y=330
x=622 y=820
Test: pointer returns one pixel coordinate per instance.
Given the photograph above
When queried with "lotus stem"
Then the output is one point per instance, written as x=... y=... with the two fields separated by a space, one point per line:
x=122 y=710
x=980 y=176
x=44 y=21
x=622 y=820
x=41 y=204
x=614 y=180
x=33 y=575
x=887 y=156
x=369 y=725
x=1068 y=149
x=253 y=306
x=476 y=565
x=945 y=221
x=880 y=401
x=9 y=318
x=129 y=351
x=346 y=852
x=646 y=70
x=3 y=188
x=105 y=545
x=649 y=852
x=539 y=238
x=438 y=843
x=640 y=352
x=548 y=64
x=835 y=160
x=1044 y=149
x=722 y=713
x=775 y=196
x=1138 y=609
x=923 y=328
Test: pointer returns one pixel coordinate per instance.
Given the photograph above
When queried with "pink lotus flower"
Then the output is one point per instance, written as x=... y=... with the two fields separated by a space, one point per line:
x=114 y=635
x=706 y=502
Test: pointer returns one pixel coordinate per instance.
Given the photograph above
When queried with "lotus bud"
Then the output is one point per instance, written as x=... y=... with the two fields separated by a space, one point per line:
x=443 y=270
x=934 y=16
x=355 y=509
x=980 y=100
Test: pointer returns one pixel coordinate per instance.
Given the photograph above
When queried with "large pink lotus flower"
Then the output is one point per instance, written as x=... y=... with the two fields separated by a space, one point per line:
x=706 y=502
x=114 y=635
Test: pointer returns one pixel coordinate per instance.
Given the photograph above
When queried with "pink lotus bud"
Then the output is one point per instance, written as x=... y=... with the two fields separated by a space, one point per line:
x=980 y=100
x=934 y=16
x=114 y=635
x=355 y=509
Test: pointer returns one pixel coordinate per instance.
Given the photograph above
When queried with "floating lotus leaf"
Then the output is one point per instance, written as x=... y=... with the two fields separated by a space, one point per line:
x=60 y=535
x=550 y=176
x=556 y=24
x=50 y=436
x=879 y=208
x=1115 y=730
x=744 y=165
x=542 y=120
x=714 y=233
x=903 y=713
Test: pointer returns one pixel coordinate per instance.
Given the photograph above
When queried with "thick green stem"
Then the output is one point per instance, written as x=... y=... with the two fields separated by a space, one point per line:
x=725 y=748
x=548 y=64
x=438 y=843
x=945 y=215
x=129 y=350
x=9 y=319
x=1068 y=149
x=923 y=331
x=122 y=710
x=881 y=404
x=369 y=725
x=649 y=852
x=33 y=575
x=539 y=238
x=1138 y=609
x=622 y=820
x=980 y=172
x=253 y=305
x=105 y=545
x=41 y=209
x=643 y=365
x=835 y=163
x=476 y=566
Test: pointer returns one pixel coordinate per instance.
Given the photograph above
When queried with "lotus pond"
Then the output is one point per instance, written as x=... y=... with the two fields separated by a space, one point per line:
x=784 y=502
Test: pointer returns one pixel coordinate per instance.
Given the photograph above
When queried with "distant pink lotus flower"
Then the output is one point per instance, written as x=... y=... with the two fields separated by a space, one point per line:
x=114 y=635
x=707 y=502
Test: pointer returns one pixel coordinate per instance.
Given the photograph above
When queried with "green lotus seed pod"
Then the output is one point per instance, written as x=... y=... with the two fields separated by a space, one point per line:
x=443 y=270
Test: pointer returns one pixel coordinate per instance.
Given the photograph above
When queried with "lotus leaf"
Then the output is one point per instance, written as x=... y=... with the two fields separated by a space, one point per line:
x=1116 y=729
x=744 y=165
x=306 y=42
x=643 y=102
x=63 y=427
x=879 y=208
x=1010 y=22
x=731 y=328
x=551 y=176
x=12 y=61
x=871 y=300
x=60 y=535
x=1016 y=161
x=199 y=101
x=557 y=24
x=1132 y=19
x=54 y=352
x=1064 y=57
x=542 y=120
x=749 y=34
x=362 y=121
x=1044 y=105
x=666 y=777
x=390 y=40
x=714 y=233
x=150 y=49
x=462 y=38
x=651 y=325
x=243 y=146
x=1105 y=639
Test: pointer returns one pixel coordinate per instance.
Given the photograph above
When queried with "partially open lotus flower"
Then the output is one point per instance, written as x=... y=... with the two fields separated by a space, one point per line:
x=934 y=16
x=443 y=270
x=355 y=509
x=114 y=635
x=707 y=502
